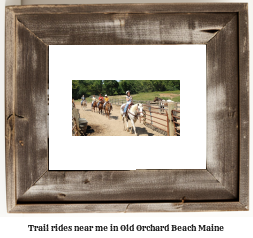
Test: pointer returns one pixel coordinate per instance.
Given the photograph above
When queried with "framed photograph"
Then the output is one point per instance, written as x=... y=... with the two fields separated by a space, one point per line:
x=37 y=41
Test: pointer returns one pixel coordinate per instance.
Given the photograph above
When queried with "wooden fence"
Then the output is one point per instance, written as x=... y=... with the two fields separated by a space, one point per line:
x=121 y=101
x=165 y=120
x=118 y=101
x=156 y=118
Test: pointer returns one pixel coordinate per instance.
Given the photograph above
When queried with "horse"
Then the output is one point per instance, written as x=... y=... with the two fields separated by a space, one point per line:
x=160 y=99
x=108 y=108
x=132 y=115
x=94 y=106
x=83 y=104
x=100 y=107
x=162 y=103
x=157 y=99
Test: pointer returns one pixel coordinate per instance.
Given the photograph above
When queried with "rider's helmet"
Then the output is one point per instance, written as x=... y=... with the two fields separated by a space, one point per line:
x=127 y=92
x=105 y=95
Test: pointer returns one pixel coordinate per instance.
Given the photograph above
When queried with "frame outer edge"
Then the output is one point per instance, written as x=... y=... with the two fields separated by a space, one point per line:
x=10 y=66
x=128 y=207
x=244 y=106
x=10 y=70
x=128 y=7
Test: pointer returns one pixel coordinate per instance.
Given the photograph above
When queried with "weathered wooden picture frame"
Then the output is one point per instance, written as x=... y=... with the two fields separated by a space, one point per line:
x=222 y=186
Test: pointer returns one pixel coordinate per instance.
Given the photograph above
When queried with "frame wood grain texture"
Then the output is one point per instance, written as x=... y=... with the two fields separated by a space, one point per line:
x=223 y=186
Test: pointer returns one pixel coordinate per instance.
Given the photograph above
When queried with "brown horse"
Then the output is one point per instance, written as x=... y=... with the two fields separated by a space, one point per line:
x=83 y=104
x=100 y=107
x=94 y=106
x=108 y=108
x=163 y=103
x=157 y=99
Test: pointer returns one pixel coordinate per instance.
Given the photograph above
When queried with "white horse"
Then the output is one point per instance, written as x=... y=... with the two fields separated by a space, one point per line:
x=164 y=103
x=133 y=114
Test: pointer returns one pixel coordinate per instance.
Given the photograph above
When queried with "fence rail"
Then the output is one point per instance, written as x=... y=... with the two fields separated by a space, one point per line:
x=121 y=101
x=148 y=120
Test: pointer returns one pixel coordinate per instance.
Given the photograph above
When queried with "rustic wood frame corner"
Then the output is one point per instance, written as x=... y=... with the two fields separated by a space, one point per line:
x=222 y=186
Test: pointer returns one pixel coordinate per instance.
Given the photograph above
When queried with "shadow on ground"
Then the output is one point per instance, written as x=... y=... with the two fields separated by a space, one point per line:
x=89 y=131
x=114 y=117
x=142 y=131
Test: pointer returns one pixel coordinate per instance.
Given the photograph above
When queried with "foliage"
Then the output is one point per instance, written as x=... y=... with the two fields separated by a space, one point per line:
x=113 y=87
x=149 y=96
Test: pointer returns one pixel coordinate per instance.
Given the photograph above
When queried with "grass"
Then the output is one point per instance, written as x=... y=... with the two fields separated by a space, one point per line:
x=150 y=96
x=87 y=100
x=176 y=99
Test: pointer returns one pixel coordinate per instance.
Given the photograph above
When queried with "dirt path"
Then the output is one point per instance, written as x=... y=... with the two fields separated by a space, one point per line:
x=170 y=95
x=100 y=125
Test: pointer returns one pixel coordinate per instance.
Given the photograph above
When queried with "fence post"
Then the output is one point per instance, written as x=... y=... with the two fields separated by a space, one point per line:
x=144 y=117
x=76 y=116
x=168 y=127
x=178 y=106
x=149 y=108
x=171 y=106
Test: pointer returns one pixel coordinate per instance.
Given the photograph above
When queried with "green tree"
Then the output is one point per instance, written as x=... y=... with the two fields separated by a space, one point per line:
x=159 y=85
x=111 y=86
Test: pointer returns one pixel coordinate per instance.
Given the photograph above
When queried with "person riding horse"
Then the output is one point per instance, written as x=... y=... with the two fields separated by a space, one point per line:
x=106 y=100
x=128 y=101
x=82 y=99
x=93 y=100
x=100 y=99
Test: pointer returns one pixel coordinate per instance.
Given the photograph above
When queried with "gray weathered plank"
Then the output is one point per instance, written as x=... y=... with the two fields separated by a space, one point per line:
x=129 y=207
x=154 y=8
x=9 y=108
x=186 y=207
x=30 y=108
x=118 y=29
x=222 y=107
x=244 y=106
x=139 y=185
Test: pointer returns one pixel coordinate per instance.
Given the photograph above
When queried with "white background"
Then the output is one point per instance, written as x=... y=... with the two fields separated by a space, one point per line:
x=237 y=224
x=186 y=63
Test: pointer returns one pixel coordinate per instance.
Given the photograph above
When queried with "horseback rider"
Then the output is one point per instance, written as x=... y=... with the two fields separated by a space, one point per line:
x=128 y=101
x=83 y=98
x=93 y=100
x=106 y=100
x=100 y=99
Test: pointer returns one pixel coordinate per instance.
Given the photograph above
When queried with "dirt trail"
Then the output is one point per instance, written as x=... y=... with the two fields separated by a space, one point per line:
x=100 y=125
x=171 y=95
